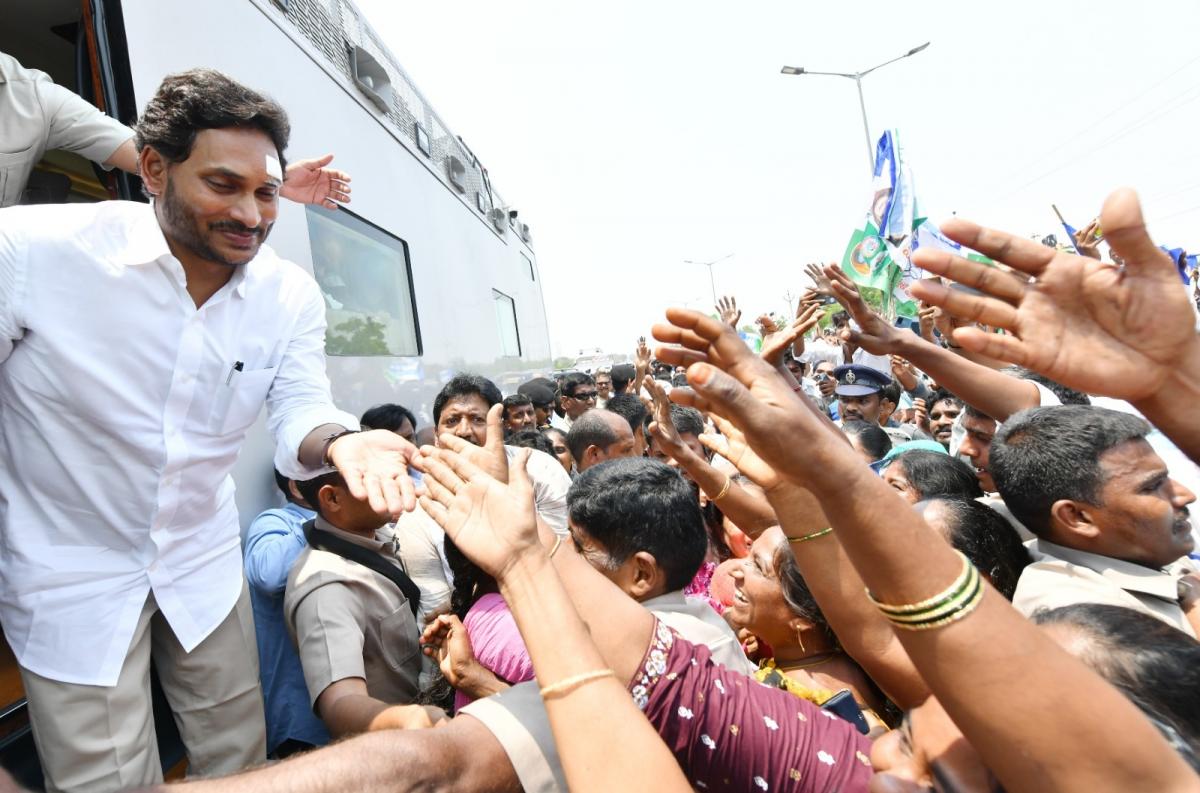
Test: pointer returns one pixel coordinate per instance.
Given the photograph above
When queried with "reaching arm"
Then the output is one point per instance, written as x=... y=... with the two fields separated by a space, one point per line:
x=1122 y=331
x=594 y=718
x=994 y=393
x=746 y=509
x=828 y=572
x=1025 y=705
x=347 y=709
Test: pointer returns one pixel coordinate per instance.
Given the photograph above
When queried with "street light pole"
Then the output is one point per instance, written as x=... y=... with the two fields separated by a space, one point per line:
x=711 y=282
x=857 y=77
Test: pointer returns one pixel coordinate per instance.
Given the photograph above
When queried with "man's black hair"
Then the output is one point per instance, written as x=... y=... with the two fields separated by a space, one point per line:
x=622 y=375
x=516 y=401
x=568 y=385
x=637 y=504
x=687 y=421
x=891 y=392
x=942 y=395
x=462 y=385
x=531 y=439
x=991 y=543
x=190 y=102
x=590 y=429
x=975 y=413
x=630 y=407
x=1043 y=455
x=871 y=436
x=281 y=482
x=933 y=474
x=309 y=488
x=388 y=416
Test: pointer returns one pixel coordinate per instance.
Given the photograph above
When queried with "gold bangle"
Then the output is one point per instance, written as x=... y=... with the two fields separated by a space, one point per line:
x=558 y=538
x=812 y=536
x=957 y=602
x=724 y=490
x=954 y=616
x=929 y=603
x=564 y=687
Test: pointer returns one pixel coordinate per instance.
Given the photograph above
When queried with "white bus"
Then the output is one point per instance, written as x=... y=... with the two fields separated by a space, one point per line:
x=428 y=271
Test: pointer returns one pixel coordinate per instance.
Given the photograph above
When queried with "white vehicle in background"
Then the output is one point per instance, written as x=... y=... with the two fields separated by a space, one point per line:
x=428 y=272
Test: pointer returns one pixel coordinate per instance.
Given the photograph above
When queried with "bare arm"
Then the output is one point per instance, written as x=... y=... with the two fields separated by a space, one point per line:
x=1126 y=332
x=1025 y=705
x=347 y=709
x=828 y=572
x=994 y=393
x=593 y=721
x=125 y=157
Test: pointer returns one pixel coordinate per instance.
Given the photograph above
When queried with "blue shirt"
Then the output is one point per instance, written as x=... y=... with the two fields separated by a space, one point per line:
x=273 y=541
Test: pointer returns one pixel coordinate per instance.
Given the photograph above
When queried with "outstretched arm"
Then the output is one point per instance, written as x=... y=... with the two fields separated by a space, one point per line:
x=1123 y=331
x=592 y=716
x=1011 y=698
x=994 y=393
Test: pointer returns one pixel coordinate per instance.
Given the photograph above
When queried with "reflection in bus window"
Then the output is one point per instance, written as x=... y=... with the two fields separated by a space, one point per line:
x=365 y=278
x=506 y=324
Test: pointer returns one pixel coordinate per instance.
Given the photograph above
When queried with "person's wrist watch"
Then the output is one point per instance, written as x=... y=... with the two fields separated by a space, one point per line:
x=325 y=461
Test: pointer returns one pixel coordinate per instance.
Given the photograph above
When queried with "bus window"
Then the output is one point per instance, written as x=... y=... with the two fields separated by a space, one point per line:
x=366 y=279
x=506 y=325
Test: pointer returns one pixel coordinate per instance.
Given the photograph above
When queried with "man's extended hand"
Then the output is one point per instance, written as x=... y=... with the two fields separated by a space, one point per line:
x=446 y=641
x=310 y=182
x=641 y=364
x=1093 y=326
x=1086 y=241
x=874 y=335
x=662 y=428
x=776 y=340
x=375 y=466
x=728 y=310
x=491 y=456
x=821 y=283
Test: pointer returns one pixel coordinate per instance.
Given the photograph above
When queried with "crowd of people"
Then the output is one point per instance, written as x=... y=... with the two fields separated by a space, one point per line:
x=956 y=556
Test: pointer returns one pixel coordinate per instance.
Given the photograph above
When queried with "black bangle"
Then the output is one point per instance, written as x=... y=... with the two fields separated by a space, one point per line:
x=325 y=461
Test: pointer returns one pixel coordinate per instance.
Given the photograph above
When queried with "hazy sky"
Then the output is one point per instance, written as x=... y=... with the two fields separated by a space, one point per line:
x=634 y=135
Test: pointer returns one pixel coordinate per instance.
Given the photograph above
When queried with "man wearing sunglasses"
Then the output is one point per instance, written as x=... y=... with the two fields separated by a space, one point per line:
x=578 y=396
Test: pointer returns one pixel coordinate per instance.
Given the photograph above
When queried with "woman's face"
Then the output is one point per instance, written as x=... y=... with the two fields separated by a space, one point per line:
x=758 y=603
x=895 y=476
x=561 y=451
x=928 y=753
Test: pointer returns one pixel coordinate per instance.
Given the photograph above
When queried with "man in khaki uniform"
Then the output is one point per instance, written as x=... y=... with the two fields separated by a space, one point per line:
x=351 y=609
x=1112 y=526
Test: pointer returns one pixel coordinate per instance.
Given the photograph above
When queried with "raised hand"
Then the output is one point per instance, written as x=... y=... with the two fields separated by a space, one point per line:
x=731 y=444
x=1095 y=327
x=875 y=335
x=922 y=416
x=729 y=312
x=776 y=341
x=1086 y=241
x=662 y=427
x=729 y=380
x=925 y=322
x=821 y=282
x=310 y=182
x=375 y=466
x=491 y=522
x=446 y=641
x=641 y=363
x=904 y=373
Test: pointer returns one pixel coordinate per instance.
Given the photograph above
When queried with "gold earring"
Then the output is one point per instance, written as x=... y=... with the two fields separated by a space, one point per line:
x=800 y=638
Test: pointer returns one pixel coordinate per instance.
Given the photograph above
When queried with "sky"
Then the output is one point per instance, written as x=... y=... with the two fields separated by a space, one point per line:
x=634 y=136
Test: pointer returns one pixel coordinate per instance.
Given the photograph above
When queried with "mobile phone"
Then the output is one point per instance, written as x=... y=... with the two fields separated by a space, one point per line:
x=842 y=705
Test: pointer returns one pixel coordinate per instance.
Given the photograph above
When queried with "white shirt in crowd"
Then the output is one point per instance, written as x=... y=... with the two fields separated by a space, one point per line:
x=124 y=407
x=37 y=115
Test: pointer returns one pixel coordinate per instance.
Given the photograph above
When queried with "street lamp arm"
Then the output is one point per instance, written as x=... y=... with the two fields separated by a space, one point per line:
x=911 y=52
x=827 y=74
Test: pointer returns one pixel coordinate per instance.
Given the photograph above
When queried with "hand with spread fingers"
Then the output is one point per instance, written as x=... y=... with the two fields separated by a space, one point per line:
x=310 y=182
x=875 y=335
x=662 y=427
x=729 y=380
x=731 y=444
x=491 y=456
x=375 y=466
x=492 y=521
x=821 y=283
x=727 y=308
x=776 y=340
x=641 y=363
x=1093 y=326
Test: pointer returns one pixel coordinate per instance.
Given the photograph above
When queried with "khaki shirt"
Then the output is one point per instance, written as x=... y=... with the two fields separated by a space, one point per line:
x=1064 y=576
x=349 y=621
x=518 y=718
x=37 y=115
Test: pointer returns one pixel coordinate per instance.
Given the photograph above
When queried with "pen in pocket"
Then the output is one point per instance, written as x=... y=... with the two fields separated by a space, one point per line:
x=237 y=367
